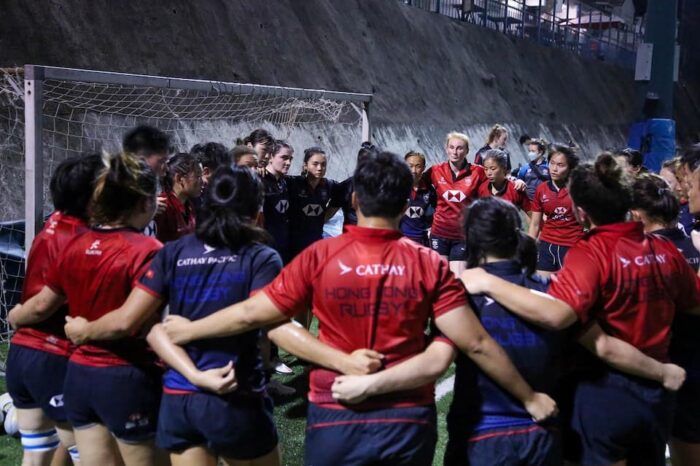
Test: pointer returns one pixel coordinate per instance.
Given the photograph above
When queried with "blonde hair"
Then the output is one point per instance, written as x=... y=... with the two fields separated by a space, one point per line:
x=457 y=135
x=495 y=132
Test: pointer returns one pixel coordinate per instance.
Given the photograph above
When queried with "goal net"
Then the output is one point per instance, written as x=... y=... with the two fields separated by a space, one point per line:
x=48 y=114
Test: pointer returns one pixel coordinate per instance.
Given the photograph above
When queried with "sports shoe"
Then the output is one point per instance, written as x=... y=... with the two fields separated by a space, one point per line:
x=277 y=389
x=282 y=368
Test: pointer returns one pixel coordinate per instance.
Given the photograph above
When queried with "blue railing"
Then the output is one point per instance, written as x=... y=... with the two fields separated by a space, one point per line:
x=589 y=32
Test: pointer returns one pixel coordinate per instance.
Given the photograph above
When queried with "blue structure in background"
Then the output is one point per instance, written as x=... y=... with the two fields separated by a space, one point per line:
x=655 y=139
x=12 y=256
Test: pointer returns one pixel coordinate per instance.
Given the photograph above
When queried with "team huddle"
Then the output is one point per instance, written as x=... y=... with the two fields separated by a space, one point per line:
x=158 y=291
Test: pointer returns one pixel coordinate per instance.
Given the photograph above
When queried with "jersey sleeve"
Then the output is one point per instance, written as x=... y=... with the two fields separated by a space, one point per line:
x=338 y=194
x=53 y=275
x=525 y=202
x=291 y=291
x=536 y=205
x=449 y=291
x=142 y=260
x=521 y=172
x=266 y=266
x=688 y=287
x=156 y=280
x=578 y=283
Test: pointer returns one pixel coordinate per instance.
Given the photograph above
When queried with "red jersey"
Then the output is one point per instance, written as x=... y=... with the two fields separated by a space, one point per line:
x=507 y=193
x=96 y=273
x=176 y=221
x=630 y=283
x=48 y=335
x=454 y=193
x=369 y=288
x=560 y=227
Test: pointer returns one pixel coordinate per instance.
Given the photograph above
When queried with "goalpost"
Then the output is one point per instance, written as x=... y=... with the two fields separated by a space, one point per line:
x=49 y=113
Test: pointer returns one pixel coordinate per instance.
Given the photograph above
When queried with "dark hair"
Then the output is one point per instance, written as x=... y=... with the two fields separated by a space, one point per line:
x=145 y=141
x=524 y=138
x=211 y=155
x=652 y=195
x=181 y=164
x=310 y=152
x=568 y=152
x=634 y=157
x=413 y=153
x=540 y=143
x=493 y=228
x=383 y=184
x=691 y=157
x=231 y=203
x=602 y=189
x=260 y=136
x=499 y=156
x=123 y=183
x=279 y=145
x=73 y=182
x=241 y=150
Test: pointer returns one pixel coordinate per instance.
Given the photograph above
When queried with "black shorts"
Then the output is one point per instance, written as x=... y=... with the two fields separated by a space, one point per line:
x=240 y=428
x=453 y=249
x=35 y=379
x=550 y=256
x=619 y=417
x=391 y=437
x=685 y=351
x=125 y=399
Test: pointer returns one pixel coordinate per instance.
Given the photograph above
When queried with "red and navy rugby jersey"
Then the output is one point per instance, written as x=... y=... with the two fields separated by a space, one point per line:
x=176 y=221
x=630 y=283
x=369 y=288
x=507 y=193
x=197 y=280
x=48 y=335
x=560 y=227
x=454 y=193
x=96 y=273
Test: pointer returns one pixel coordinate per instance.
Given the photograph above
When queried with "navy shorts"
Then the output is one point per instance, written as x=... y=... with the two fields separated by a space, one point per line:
x=619 y=417
x=550 y=256
x=453 y=249
x=533 y=445
x=35 y=380
x=422 y=240
x=390 y=437
x=235 y=427
x=685 y=351
x=125 y=399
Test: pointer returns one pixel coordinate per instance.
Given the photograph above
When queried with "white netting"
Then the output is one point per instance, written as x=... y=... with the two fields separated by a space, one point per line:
x=85 y=117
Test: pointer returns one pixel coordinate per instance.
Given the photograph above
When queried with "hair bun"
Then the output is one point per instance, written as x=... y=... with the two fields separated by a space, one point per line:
x=608 y=171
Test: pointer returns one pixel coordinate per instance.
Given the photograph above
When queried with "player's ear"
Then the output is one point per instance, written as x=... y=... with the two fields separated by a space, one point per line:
x=353 y=201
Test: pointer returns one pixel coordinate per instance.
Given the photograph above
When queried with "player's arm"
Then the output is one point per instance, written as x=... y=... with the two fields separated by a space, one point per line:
x=414 y=372
x=220 y=380
x=535 y=224
x=626 y=358
x=295 y=339
x=255 y=312
x=36 y=309
x=124 y=321
x=534 y=306
x=463 y=327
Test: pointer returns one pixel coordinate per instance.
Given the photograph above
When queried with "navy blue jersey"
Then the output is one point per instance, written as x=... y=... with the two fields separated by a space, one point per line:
x=419 y=215
x=197 y=280
x=533 y=174
x=308 y=210
x=687 y=219
x=276 y=213
x=481 y=404
x=683 y=243
x=343 y=198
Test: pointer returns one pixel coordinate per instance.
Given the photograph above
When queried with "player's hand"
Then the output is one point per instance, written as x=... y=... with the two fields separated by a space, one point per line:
x=362 y=361
x=541 y=407
x=160 y=205
x=475 y=280
x=519 y=184
x=77 y=329
x=12 y=316
x=177 y=329
x=673 y=377
x=351 y=388
x=221 y=380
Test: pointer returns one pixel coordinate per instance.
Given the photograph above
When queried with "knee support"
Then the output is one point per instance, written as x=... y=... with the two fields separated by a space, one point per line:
x=39 y=441
x=73 y=452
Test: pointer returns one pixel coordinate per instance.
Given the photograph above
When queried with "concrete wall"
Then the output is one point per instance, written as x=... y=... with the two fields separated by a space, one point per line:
x=429 y=74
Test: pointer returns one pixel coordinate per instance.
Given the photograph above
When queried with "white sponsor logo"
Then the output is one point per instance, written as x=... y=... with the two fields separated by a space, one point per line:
x=208 y=249
x=312 y=210
x=414 y=212
x=454 y=196
x=282 y=206
x=641 y=261
x=488 y=300
x=442 y=180
x=56 y=401
x=94 y=249
x=371 y=270
x=625 y=262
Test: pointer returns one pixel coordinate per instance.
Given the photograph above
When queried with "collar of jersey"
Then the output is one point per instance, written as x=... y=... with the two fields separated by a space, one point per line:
x=627 y=229
x=385 y=234
x=671 y=233
x=504 y=267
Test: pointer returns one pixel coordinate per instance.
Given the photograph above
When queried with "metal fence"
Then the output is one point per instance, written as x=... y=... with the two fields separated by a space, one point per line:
x=589 y=32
